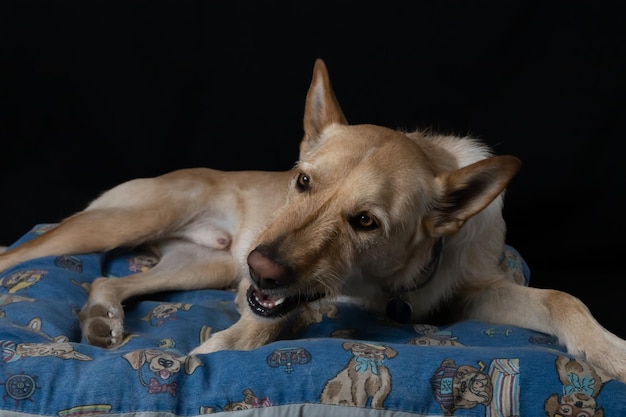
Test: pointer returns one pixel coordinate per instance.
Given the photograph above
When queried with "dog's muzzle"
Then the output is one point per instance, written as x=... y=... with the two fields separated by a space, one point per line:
x=266 y=296
x=267 y=305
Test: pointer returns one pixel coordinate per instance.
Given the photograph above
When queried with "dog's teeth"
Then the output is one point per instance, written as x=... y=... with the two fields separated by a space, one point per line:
x=269 y=303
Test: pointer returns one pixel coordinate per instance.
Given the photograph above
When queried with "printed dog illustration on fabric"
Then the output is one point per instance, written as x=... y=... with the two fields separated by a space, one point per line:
x=163 y=365
x=581 y=385
x=460 y=386
x=401 y=222
x=364 y=378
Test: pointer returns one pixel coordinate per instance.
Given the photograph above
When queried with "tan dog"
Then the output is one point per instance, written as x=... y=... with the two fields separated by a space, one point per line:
x=162 y=363
x=581 y=385
x=469 y=386
x=401 y=221
x=365 y=377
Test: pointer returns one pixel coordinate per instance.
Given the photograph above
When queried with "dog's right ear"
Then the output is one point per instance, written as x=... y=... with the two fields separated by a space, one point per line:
x=321 y=108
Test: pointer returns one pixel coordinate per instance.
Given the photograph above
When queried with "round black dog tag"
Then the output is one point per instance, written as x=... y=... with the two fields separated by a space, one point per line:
x=399 y=310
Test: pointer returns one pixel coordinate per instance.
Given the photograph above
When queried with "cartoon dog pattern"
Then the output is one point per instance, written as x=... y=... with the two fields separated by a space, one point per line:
x=163 y=365
x=365 y=377
x=340 y=362
x=581 y=385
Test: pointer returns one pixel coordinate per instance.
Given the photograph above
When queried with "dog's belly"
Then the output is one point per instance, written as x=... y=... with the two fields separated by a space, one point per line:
x=210 y=232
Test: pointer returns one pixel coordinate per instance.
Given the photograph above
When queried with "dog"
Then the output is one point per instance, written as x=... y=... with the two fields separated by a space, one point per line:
x=404 y=222
x=163 y=365
x=460 y=386
x=365 y=377
x=581 y=385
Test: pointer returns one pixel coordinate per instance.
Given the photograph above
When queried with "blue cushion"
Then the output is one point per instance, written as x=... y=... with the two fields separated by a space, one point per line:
x=348 y=362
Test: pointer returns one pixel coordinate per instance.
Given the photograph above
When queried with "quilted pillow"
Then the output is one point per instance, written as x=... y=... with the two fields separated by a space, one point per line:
x=345 y=361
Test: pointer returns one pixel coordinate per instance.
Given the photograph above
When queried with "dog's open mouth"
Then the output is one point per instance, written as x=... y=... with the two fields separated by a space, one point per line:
x=267 y=305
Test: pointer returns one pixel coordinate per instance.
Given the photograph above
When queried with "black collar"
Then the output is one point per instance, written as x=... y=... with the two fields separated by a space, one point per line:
x=397 y=307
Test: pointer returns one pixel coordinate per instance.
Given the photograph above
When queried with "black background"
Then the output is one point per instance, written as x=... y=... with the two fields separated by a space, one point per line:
x=96 y=93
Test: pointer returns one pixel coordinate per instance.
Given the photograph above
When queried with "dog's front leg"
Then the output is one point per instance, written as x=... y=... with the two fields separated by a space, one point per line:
x=556 y=313
x=183 y=266
x=247 y=333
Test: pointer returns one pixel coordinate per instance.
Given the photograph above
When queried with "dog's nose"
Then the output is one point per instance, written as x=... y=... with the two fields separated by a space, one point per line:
x=165 y=363
x=265 y=272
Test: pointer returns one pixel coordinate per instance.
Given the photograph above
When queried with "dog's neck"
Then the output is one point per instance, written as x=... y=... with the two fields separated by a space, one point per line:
x=400 y=309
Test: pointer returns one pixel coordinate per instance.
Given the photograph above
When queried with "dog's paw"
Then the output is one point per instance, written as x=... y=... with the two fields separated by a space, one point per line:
x=222 y=340
x=102 y=325
x=102 y=318
x=246 y=334
x=243 y=335
x=609 y=357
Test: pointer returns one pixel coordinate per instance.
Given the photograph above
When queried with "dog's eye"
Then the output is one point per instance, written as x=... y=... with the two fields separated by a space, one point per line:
x=363 y=221
x=303 y=182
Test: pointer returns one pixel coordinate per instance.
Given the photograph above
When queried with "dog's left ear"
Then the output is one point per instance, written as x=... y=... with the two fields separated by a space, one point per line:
x=191 y=363
x=466 y=191
x=321 y=109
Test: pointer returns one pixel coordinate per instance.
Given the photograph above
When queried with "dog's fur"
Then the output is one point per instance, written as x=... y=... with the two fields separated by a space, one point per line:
x=358 y=215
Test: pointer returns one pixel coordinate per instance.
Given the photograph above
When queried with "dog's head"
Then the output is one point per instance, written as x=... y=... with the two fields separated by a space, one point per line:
x=366 y=203
x=162 y=363
x=471 y=387
x=572 y=406
x=369 y=351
